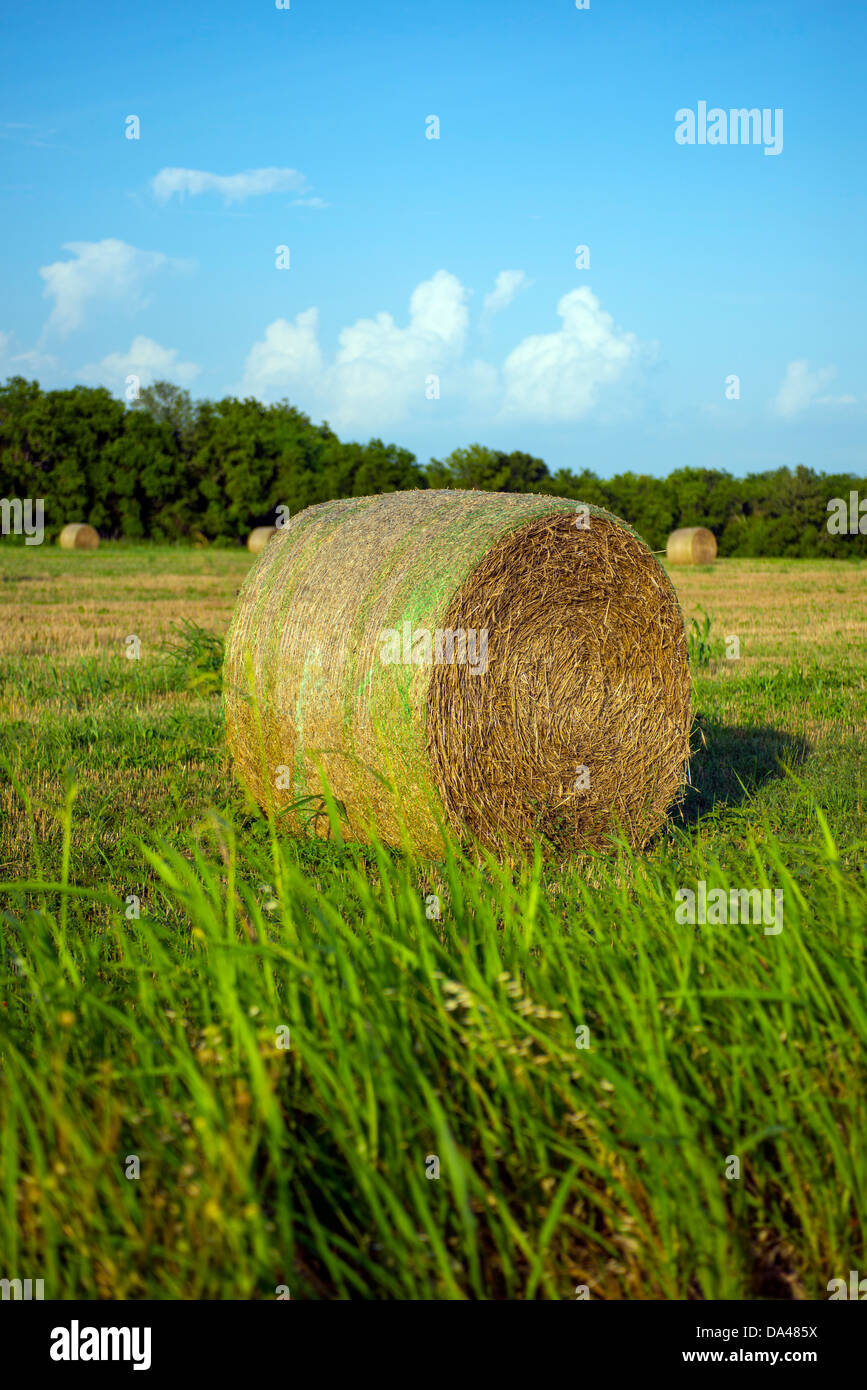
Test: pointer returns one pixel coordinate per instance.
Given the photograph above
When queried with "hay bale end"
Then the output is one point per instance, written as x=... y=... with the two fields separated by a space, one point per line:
x=259 y=538
x=691 y=545
x=78 y=536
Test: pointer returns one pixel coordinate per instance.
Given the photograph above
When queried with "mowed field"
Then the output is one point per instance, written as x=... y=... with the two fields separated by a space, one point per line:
x=233 y=1062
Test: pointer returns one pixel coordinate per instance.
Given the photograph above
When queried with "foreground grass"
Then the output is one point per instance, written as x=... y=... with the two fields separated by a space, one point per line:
x=417 y=1041
x=289 y=1056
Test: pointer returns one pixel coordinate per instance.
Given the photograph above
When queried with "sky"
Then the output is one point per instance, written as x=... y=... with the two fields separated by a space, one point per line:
x=284 y=225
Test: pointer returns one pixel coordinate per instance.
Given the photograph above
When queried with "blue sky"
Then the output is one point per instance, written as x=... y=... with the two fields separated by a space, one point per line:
x=306 y=128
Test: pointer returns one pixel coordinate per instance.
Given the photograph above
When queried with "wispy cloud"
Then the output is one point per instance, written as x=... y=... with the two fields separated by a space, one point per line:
x=802 y=388
x=508 y=284
x=31 y=360
x=233 y=188
x=21 y=133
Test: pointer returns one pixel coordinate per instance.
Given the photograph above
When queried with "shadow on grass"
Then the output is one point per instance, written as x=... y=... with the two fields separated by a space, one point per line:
x=731 y=764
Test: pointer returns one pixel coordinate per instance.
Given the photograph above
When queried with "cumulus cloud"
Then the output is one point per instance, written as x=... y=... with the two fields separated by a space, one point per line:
x=145 y=359
x=233 y=188
x=508 y=284
x=381 y=368
x=558 y=376
x=801 y=388
x=288 y=358
x=108 y=270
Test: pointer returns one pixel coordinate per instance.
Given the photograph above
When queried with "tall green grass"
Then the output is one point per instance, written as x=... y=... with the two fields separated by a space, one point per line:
x=418 y=1042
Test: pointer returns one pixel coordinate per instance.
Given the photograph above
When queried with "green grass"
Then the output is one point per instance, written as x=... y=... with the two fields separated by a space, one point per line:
x=415 y=1037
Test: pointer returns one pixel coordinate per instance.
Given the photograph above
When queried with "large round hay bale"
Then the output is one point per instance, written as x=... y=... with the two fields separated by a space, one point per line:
x=691 y=545
x=259 y=538
x=78 y=536
x=468 y=659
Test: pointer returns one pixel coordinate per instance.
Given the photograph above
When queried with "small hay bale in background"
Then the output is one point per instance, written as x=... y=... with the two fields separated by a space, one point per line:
x=568 y=716
x=78 y=536
x=691 y=545
x=259 y=538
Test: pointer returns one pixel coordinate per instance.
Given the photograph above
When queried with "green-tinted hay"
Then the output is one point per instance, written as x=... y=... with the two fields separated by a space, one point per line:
x=308 y=621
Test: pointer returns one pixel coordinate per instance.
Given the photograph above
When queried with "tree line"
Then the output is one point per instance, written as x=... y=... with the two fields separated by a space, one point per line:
x=166 y=467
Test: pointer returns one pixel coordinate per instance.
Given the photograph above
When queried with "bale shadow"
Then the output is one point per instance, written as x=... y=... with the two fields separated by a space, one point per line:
x=730 y=764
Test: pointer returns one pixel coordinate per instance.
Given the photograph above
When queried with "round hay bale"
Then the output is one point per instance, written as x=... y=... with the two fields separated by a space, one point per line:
x=78 y=536
x=691 y=545
x=259 y=538
x=468 y=659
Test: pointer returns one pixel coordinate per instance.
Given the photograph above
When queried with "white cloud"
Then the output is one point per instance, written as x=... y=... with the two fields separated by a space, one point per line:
x=287 y=358
x=234 y=188
x=100 y=270
x=379 y=368
x=507 y=285
x=801 y=389
x=22 y=363
x=379 y=372
x=145 y=359
x=22 y=133
x=558 y=376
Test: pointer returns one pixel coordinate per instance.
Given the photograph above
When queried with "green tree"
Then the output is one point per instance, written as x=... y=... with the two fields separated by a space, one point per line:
x=489 y=470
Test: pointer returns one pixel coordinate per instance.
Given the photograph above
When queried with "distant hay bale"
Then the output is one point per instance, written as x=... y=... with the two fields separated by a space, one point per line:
x=691 y=545
x=470 y=659
x=78 y=536
x=259 y=538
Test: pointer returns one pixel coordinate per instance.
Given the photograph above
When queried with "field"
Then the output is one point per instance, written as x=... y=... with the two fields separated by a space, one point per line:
x=235 y=1063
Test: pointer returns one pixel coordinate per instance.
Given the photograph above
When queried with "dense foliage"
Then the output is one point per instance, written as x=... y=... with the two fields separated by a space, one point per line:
x=171 y=468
